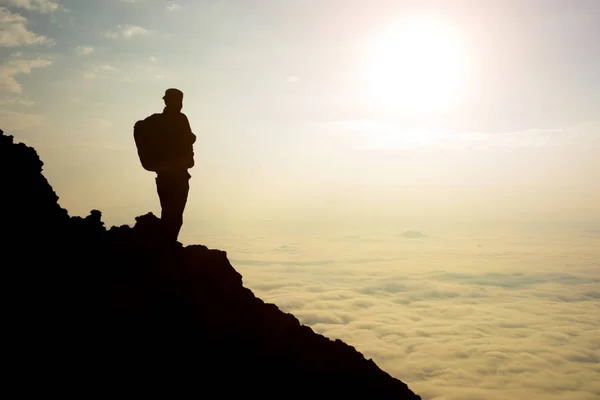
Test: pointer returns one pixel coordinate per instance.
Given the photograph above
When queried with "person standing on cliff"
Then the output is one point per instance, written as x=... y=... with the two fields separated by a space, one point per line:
x=165 y=145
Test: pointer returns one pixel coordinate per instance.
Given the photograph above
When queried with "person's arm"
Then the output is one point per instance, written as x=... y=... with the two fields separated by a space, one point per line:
x=189 y=132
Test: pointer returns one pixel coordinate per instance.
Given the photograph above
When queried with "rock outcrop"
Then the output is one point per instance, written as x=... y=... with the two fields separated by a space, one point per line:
x=118 y=311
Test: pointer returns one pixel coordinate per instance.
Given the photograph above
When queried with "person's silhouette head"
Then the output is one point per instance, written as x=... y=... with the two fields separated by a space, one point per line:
x=173 y=99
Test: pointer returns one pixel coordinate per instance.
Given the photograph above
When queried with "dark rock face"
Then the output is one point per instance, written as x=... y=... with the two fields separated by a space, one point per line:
x=119 y=311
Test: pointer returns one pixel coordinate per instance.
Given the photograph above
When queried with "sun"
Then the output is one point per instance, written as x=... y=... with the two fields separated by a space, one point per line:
x=416 y=68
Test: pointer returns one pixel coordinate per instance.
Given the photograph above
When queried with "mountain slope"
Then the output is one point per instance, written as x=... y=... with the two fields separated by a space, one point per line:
x=120 y=311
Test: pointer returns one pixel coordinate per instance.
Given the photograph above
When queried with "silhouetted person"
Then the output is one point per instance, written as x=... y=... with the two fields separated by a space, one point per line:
x=165 y=145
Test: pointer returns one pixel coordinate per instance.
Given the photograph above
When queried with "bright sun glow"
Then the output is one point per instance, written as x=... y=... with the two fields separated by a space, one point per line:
x=417 y=68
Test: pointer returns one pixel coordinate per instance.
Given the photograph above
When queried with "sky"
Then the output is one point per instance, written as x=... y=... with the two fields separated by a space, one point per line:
x=328 y=128
x=449 y=112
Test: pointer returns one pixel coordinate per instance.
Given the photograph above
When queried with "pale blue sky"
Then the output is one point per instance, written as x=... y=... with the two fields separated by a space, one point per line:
x=276 y=92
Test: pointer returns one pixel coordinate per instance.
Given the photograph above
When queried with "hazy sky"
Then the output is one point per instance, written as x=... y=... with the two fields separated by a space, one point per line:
x=447 y=111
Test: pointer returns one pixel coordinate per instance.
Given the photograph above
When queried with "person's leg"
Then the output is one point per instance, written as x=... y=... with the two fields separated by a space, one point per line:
x=164 y=187
x=163 y=194
x=172 y=191
x=181 y=188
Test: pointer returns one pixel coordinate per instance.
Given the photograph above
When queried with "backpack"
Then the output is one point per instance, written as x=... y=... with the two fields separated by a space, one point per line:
x=149 y=138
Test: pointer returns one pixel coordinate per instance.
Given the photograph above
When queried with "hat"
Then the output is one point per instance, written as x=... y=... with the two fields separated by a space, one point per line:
x=173 y=93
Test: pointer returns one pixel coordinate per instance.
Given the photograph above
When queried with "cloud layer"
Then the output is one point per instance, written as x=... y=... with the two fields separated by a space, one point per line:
x=14 y=32
x=127 y=32
x=16 y=66
x=456 y=318
x=42 y=6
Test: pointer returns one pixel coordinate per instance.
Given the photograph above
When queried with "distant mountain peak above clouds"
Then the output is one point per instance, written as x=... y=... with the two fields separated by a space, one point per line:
x=412 y=235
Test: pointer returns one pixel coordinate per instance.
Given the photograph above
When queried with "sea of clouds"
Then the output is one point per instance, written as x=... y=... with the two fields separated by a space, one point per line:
x=471 y=317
